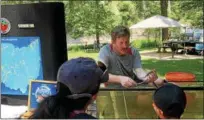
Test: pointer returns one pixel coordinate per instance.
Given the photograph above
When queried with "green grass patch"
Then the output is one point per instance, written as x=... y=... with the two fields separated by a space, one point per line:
x=73 y=54
x=163 y=66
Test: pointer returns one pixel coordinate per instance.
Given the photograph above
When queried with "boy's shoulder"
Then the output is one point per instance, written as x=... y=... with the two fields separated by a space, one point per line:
x=83 y=116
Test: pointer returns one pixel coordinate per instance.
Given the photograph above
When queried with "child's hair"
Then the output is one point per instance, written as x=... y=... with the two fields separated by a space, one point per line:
x=171 y=99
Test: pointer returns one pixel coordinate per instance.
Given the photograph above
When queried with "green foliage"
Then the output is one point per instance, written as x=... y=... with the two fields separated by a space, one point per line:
x=144 y=44
x=146 y=9
x=76 y=48
x=125 y=8
x=13 y=2
x=84 y=18
x=88 y=17
x=188 y=12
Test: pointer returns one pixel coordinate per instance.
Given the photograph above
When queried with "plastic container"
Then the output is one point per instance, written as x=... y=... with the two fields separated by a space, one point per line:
x=180 y=76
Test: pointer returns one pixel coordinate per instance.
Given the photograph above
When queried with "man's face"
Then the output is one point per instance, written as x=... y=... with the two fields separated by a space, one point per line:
x=121 y=45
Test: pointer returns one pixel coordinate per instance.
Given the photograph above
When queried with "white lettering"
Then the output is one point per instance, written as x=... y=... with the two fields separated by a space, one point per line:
x=26 y=26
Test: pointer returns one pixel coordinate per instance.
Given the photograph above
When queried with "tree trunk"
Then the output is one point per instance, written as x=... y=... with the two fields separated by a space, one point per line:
x=97 y=28
x=164 y=8
x=97 y=40
x=148 y=36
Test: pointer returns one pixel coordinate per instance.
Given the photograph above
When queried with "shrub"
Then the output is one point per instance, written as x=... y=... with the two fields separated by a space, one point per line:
x=144 y=44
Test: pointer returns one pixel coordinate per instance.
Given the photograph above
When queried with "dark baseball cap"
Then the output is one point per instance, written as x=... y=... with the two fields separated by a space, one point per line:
x=171 y=99
x=82 y=76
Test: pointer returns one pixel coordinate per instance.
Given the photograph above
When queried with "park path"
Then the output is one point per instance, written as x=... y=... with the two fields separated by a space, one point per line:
x=167 y=56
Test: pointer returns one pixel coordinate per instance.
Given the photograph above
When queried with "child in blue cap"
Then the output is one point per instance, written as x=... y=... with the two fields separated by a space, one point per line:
x=78 y=80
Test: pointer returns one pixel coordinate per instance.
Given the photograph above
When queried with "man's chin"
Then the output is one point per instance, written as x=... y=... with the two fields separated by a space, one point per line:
x=123 y=53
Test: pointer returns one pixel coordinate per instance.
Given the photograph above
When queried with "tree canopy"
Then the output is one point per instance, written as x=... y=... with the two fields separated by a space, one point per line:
x=88 y=18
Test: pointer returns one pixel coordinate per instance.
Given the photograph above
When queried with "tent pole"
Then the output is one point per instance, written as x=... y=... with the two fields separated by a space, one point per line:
x=159 y=43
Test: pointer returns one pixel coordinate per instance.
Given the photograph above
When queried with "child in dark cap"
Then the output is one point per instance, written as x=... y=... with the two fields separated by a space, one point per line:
x=78 y=80
x=169 y=101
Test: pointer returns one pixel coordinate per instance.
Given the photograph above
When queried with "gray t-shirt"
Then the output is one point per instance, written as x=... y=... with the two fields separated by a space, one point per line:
x=120 y=65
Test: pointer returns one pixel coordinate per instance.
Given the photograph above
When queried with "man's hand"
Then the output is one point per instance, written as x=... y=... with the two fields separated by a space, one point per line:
x=126 y=81
x=151 y=76
x=123 y=80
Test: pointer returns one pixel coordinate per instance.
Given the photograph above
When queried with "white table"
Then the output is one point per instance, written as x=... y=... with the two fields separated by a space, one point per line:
x=8 y=111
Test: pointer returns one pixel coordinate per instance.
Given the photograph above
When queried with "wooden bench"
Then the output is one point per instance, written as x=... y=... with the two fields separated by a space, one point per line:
x=174 y=49
x=163 y=47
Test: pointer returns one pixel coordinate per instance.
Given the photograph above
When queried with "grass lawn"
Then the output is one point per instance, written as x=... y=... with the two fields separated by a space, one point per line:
x=194 y=66
x=72 y=54
x=162 y=66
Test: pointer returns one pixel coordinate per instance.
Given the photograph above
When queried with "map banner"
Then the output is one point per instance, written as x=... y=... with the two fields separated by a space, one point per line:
x=21 y=62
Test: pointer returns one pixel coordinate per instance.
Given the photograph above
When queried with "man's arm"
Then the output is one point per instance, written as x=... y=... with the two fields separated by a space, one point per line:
x=158 y=82
x=123 y=80
x=150 y=78
x=142 y=75
x=102 y=66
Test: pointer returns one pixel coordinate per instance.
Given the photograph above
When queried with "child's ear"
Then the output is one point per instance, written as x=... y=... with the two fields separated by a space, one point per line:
x=94 y=96
x=158 y=111
x=155 y=107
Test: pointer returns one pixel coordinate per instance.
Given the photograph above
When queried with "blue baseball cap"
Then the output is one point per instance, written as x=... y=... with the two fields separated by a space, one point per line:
x=82 y=76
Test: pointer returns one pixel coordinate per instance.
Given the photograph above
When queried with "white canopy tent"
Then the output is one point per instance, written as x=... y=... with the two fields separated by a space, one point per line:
x=157 y=21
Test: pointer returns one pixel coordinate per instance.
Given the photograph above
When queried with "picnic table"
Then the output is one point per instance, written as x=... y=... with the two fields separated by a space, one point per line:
x=185 y=45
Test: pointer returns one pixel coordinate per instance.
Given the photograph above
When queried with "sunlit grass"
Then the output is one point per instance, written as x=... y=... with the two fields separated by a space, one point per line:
x=194 y=66
x=72 y=54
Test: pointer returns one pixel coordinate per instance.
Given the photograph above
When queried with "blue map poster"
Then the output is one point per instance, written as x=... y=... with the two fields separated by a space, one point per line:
x=20 y=62
x=39 y=90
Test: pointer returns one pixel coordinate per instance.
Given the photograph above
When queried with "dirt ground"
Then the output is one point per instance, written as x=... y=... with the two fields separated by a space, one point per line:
x=168 y=55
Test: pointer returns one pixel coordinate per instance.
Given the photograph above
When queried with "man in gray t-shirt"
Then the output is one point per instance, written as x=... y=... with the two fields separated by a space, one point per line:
x=124 y=62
